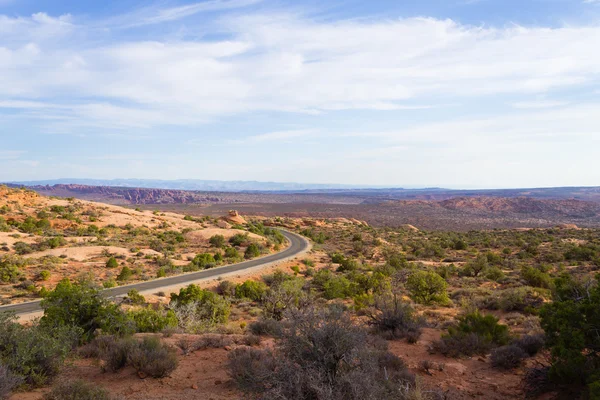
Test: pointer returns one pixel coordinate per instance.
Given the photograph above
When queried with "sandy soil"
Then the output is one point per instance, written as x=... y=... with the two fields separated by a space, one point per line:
x=88 y=252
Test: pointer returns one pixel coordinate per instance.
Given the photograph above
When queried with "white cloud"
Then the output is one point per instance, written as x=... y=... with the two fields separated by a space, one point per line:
x=539 y=104
x=279 y=62
x=156 y=14
x=10 y=154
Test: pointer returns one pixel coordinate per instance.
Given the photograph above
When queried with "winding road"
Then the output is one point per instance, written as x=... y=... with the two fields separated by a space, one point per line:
x=297 y=245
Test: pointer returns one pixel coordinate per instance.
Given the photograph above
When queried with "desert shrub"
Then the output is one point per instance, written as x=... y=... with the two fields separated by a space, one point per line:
x=536 y=278
x=82 y=306
x=217 y=241
x=112 y=263
x=161 y=273
x=55 y=242
x=151 y=320
x=112 y=351
x=231 y=252
x=135 y=297
x=530 y=344
x=44 y=275
x=22 y=248
x=8 y=381
x=153 y=358
x=204 y=260
x=252 y=290
x=266 y=327
x=475 y=267
x=3 y=225
x=34 y=353
x=474 y=334
x=427 y=287
x=283 y=296
x=507 y=357
x=393 y=318
x=238 y=239
x=76 y=390
x=348 y=264
x=586 y=252
x=494 y=273
x=125 y=274
x=10 y=268
x=571 y=324
x=520 y=299
x=276 y=278
x=226 y=288
x=252 y=251
x=321 y=354
x=207 y=306
x=337 y=287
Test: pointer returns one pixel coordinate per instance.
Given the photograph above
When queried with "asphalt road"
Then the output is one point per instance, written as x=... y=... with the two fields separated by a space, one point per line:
x=297 y=244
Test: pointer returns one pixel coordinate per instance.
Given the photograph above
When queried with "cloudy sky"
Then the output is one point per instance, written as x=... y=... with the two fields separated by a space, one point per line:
x=453 y=93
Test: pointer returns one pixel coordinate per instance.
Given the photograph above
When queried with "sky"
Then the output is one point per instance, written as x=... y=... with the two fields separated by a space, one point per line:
x=412 y=93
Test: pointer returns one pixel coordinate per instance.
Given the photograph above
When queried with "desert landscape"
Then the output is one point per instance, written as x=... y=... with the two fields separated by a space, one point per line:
x=454 y=314
x=299 y=200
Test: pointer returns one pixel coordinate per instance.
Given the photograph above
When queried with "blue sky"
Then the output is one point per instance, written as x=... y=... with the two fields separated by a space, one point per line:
x=465 y=93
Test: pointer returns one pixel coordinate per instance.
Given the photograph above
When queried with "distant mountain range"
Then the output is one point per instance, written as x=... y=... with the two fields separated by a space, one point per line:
x=195 y=184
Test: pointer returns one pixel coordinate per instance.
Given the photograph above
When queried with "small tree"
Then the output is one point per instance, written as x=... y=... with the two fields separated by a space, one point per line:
x=252 y=290
x=571 y=324
x=112 y=263
x=217 y=241
x=427 y=287
x=208 y=306
x=125 y=274
x=83 y=307
x=475 y=267
x=252 y=251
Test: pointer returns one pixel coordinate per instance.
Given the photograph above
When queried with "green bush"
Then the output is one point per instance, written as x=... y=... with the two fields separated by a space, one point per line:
x=474 y=334
x=76 y=390
x=44 y=275
x=56 y=242
x=252 y=251
x=252 y=290
x=150 y=320
x=81 y=306
x=427 y=288
x=209 y=306
x=231 y=252
x=204 y=260
x=112 y=263
x=36 y=353
x=10 y=268
x=571 y=324
x=135 y=297
x=475 y=267
x=493 y=273
x=217 y=241
x=338 y=287
x=238 y=239
x=536 y=278
x=125 y=274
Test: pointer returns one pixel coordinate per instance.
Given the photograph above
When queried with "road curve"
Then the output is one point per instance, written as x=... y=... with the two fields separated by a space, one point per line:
x=297 y=244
